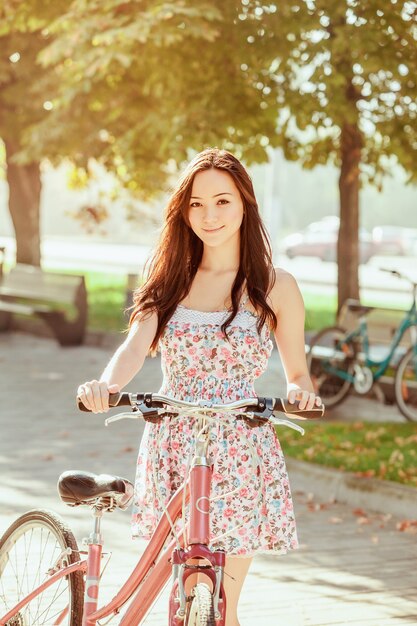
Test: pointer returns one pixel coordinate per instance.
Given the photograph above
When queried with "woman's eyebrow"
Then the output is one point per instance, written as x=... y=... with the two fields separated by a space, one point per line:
x=215 y=196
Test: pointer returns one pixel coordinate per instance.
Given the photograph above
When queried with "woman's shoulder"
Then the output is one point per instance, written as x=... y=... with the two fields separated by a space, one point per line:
x=284 y=288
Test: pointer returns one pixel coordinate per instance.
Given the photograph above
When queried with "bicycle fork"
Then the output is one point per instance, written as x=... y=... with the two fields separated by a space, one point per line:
x=198 y=544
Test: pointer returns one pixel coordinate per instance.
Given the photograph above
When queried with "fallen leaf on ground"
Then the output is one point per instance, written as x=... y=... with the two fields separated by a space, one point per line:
x=374 y=434
x=396 y=457
x=359 y=512
x=407 y=526
x=366 y=473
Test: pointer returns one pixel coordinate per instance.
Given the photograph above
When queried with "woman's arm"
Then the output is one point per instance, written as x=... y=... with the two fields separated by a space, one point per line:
x=125 y=363
x=288 y=306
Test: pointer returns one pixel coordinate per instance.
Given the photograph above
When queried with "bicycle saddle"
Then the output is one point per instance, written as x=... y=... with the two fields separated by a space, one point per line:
x=76 y=488
x=356 y=307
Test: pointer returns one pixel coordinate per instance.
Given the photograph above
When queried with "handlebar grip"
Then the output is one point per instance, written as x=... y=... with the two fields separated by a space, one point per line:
x=115 y=399
x=292 y=409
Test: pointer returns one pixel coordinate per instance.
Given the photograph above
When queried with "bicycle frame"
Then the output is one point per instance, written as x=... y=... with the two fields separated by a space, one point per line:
x=192 y=542
x=152 y=564
x=409 y=321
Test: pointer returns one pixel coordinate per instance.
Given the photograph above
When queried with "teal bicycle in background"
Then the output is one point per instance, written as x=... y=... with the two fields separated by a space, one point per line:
x=339 y=360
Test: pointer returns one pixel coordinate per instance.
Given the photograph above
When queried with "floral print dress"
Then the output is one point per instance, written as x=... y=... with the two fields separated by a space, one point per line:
x=199 y=362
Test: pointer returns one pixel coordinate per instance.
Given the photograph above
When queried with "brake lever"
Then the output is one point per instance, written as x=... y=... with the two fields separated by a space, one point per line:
x=140 y=410
x=121 y=416
x=278 y=421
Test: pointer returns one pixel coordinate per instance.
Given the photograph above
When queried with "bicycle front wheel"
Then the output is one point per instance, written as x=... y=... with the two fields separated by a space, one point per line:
x=201 y=612
x=30 y=550
x=330 y=362
x=405 y=385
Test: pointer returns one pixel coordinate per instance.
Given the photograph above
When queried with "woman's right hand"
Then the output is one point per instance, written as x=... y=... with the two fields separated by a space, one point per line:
x=95 y=395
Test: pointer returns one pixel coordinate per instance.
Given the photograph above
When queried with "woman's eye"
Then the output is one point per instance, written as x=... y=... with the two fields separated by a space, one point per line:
x=193 y=205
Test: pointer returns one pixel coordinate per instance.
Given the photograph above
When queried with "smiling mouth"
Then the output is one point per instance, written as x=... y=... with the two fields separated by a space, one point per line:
x=212 y=230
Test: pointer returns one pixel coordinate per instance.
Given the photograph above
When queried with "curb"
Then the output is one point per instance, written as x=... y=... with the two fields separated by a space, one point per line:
x=382 y=496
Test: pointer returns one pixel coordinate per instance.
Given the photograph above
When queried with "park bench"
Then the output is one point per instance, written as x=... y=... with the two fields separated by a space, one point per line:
x=60 y=300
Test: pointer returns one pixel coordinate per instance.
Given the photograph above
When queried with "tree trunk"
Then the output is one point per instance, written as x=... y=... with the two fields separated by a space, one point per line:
x=348 y=241
x=24 y=202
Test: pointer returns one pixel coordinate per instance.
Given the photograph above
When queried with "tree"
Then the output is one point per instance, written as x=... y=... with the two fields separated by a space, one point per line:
x=344 y=74
x=137 y=85
x=20 y=107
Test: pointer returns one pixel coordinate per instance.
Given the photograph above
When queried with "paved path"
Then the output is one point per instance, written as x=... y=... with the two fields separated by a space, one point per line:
x=353 y=568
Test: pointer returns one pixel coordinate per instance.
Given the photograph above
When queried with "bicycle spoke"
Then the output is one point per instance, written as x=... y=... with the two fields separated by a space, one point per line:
x=29 y=550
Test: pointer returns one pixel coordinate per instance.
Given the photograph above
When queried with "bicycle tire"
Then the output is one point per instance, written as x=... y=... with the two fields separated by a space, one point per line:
x=405 y=385
x=331 y=388
x=201 y=611
x=28 y=548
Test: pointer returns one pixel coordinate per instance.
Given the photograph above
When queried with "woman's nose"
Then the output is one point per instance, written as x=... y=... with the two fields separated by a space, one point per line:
x=210 y=214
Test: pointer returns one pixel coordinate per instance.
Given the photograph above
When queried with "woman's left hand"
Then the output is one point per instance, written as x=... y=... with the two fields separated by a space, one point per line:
x=306 y=399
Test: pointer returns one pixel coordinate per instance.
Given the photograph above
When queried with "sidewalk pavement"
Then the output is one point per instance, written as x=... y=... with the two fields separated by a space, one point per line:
x=354 y=566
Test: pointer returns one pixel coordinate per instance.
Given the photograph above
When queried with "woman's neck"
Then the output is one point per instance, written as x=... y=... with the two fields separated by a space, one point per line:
x=220 y=260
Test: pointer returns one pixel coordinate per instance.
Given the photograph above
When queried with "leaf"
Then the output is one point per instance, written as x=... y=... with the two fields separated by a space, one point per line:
x=369 y=473
x=359 y=512
x=407 y=526
x=371 y=435
x=396 y=457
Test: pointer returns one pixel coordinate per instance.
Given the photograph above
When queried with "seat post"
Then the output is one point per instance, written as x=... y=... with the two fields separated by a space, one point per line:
x=96 y=537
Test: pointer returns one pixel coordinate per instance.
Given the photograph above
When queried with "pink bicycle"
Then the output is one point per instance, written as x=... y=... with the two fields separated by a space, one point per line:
x=45 y=579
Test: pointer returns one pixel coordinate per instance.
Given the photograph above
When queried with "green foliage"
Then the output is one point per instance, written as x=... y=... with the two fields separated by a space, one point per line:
x=138 y=88
x=22 y=37
x=333 y=63
x=138 y=85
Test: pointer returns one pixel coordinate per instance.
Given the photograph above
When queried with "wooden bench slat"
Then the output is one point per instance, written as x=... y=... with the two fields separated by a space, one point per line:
x=29 y=282
x=14 y=307
x=40 y=293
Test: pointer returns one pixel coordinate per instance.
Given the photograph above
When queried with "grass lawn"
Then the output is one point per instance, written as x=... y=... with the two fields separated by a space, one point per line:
x=107 y=293
x=106 y=301
x=384 y=450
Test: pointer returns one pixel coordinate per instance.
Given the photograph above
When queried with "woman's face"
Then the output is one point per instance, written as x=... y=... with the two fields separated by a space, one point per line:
x=216 y=207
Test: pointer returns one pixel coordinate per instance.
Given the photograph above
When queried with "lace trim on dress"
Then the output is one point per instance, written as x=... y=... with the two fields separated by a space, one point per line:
x=244 y=318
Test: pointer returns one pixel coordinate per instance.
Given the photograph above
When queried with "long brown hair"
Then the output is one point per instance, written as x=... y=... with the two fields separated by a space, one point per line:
x=178 y=254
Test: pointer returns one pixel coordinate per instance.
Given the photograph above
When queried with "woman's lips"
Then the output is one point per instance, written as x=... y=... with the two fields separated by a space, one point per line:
x=212 y=230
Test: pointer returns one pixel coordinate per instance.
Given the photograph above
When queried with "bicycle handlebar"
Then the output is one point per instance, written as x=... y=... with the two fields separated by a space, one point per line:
x=261 y=406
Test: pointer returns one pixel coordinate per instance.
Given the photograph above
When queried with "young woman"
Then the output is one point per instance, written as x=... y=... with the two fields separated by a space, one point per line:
x=211 y=302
